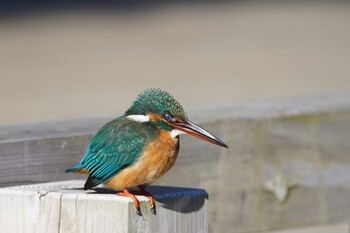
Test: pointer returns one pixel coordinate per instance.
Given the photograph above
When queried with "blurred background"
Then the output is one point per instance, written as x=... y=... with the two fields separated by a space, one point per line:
x=69 y=59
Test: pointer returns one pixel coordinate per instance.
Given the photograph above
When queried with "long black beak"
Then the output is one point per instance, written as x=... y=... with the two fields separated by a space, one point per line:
x=194 y=130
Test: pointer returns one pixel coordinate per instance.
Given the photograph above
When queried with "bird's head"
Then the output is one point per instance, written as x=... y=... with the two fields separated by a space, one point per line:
x=159 y=108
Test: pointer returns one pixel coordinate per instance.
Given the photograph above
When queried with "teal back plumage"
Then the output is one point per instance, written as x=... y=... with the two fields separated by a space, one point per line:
x=116 y=145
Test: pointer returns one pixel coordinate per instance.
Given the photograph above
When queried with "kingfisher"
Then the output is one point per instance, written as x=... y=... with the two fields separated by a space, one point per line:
x=138 y=147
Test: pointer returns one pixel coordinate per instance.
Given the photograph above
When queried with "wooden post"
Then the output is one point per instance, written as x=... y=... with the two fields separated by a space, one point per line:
x=64 y=207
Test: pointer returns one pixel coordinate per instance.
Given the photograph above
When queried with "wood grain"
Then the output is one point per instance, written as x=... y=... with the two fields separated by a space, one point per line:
x=63 y=207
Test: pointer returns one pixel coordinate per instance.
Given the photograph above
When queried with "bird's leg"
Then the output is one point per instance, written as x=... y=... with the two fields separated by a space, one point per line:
x=147 y=194
x=125 y=193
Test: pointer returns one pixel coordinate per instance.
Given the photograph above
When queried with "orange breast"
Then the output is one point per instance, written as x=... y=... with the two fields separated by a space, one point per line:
x=157 y=158
x=81 y=171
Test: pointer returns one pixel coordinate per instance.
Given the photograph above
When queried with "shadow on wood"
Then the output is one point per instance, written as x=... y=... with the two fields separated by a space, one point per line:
x=166 y=196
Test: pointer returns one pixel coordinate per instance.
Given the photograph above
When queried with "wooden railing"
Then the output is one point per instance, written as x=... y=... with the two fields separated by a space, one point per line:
x=288 y=164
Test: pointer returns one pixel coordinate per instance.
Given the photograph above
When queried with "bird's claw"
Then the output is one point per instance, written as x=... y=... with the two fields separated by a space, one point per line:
x=126 y=193
x=138 y=211
x=153 y=209
x=142 y=191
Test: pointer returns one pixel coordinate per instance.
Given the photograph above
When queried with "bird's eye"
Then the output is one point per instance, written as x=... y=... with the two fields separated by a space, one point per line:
x=167 y=116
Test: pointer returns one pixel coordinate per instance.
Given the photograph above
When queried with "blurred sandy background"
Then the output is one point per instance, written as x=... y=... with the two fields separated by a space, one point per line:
x=83 y=62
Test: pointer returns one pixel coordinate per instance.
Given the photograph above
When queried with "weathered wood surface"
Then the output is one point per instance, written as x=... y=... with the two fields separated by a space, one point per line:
x=288 y=164
x=40 y=152
x=329 y=228
x=63 y=207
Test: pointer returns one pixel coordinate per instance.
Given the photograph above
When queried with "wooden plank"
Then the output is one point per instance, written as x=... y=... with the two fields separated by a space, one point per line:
x=40 y=152
x=331 y=228
x=301 y=146
x=64 y=207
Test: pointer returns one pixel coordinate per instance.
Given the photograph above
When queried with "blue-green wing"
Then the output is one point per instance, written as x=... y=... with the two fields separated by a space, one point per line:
x=115 y=146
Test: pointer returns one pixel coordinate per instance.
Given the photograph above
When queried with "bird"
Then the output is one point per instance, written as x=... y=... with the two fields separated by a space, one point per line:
x=138 y=147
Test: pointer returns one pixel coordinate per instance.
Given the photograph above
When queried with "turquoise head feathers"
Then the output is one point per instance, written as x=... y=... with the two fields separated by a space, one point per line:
x=159 y=102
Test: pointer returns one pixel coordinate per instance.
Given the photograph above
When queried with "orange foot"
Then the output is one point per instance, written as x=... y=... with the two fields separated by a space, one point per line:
x=147 y=194
x=125 y=193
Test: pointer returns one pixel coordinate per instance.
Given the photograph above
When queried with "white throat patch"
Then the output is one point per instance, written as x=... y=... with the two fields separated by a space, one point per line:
x=138 y=118
x=176 y=132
